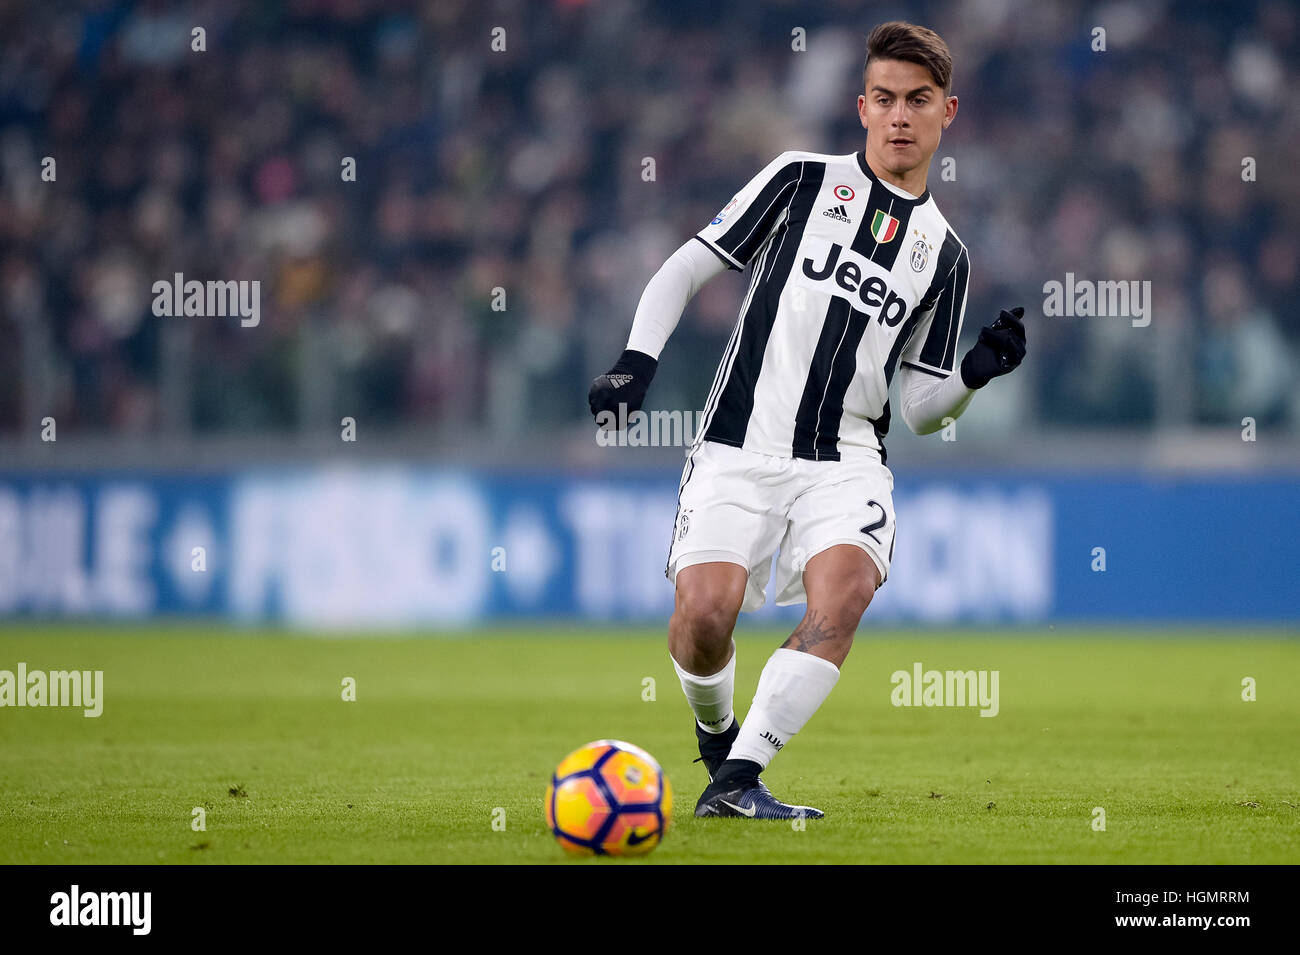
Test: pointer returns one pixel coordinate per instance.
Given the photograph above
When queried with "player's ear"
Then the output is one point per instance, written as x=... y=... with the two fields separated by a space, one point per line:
x=949 y=111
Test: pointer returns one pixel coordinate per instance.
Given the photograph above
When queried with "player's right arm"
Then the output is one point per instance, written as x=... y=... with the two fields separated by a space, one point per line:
x=728 y=242
x=657 y=314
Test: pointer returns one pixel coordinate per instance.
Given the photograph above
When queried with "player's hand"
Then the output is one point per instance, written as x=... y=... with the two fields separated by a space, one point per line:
x=999 y=350
x=624 y=384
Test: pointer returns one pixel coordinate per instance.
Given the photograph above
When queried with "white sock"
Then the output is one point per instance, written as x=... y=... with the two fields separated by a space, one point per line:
x=711 y=696
x=793 y=685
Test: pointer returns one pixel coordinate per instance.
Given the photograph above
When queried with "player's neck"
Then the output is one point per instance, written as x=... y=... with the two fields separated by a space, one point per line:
x=912 y=182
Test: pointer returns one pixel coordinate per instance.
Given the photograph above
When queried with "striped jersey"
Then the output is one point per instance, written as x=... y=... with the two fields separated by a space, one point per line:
x=848 y=277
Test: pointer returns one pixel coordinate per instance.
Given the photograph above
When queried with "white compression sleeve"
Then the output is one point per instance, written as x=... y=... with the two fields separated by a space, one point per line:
x=666 y=295
x=927 y=400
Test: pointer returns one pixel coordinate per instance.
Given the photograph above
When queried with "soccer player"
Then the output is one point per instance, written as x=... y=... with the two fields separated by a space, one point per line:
x=854 y=277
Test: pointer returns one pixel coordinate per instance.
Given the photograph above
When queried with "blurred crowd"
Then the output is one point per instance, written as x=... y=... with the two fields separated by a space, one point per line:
x=523 y=168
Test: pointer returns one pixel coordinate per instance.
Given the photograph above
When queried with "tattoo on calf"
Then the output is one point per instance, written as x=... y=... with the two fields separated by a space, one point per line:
x=813 y=629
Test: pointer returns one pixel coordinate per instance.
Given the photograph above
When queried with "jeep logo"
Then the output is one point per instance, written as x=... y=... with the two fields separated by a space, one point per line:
x=875 y=295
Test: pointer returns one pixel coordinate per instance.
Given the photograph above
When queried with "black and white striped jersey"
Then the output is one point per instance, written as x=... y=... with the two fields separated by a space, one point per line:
x=848 y=277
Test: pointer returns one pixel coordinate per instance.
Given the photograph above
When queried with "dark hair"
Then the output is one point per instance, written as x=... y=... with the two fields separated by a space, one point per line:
x=897 y=40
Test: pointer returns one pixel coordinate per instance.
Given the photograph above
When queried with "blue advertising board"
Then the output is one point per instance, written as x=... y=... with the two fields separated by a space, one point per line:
x=335 y=547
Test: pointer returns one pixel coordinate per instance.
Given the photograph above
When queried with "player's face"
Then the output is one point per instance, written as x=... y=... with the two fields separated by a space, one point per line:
x=904 y=113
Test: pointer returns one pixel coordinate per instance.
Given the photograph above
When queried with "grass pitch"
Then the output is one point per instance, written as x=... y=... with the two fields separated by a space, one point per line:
x=447 y=731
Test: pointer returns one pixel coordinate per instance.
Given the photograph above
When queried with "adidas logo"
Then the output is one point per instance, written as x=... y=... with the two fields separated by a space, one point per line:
x=838 y=212
x=618 y=381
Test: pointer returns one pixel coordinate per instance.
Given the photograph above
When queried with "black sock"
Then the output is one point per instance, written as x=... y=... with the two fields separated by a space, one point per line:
x=718 y=740
x=735 y=770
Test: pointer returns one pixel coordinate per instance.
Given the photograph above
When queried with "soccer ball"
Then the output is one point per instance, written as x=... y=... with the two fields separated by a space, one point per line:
x=609 y=798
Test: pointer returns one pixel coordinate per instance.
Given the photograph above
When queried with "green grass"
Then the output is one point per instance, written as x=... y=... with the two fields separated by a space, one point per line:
x=1148 y=725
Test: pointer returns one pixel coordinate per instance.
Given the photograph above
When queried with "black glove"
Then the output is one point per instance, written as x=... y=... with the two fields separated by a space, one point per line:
x=624 y=384
x=999 y=350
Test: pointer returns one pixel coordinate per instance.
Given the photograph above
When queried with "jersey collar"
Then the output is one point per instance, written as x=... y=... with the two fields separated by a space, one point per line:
x=866 y=171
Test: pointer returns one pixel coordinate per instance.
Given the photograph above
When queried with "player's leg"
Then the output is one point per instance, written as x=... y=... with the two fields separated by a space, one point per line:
x=800 y=675
x=845 y=522
x=708 y=600
x=730 y=519
x=840 y=583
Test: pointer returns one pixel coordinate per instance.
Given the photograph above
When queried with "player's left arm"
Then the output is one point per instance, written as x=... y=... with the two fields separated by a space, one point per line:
x=928 y=401
x=930 y=390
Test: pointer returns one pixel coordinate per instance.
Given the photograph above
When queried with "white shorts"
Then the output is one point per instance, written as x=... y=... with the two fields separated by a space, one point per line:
x=743 y=506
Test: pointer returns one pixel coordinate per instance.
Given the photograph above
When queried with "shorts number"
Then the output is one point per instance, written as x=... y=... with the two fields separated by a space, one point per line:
x=870 y=529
